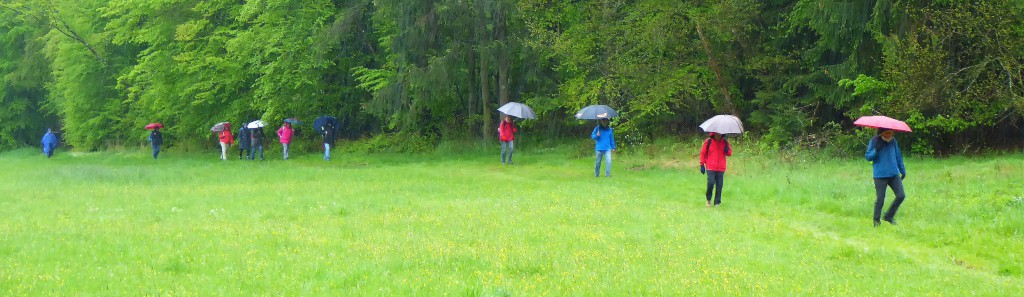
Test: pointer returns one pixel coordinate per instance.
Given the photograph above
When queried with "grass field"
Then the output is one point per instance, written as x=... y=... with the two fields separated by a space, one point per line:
x=107 y=224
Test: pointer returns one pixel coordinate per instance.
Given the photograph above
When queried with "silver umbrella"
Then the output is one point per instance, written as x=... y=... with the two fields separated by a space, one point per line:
x=723 y=124
x=518 y=110
x=255 y=124
x=595 y=112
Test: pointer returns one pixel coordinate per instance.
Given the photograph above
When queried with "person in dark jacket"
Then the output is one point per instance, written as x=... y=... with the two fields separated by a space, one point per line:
x=713 y=152
x=243 y=141
x=889 y=171
x=328 y=141
x=156 y=139
x=604 y=146
x=256 y=136
x=49 y=143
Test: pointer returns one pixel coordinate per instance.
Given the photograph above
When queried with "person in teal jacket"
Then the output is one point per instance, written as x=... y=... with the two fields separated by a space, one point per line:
x=604 y=146
x=889 y=171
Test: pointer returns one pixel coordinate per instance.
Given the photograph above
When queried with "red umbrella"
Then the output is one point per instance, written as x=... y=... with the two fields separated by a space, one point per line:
x=882 y=122
x=152 y=126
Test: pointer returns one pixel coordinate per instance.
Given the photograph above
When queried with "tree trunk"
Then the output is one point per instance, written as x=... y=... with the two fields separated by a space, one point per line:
x=500 y=27
x=485 y=94
x=471 y=104
x=723 y=86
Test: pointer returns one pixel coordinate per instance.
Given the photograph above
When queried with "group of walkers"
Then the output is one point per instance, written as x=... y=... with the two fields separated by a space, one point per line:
x=888 y=169
x=250 y=141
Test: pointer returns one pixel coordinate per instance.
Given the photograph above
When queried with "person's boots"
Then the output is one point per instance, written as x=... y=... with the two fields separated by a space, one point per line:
x=890 y=220
x=877 y=222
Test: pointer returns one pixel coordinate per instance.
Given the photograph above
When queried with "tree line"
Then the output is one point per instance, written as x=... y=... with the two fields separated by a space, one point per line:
x=99 y=70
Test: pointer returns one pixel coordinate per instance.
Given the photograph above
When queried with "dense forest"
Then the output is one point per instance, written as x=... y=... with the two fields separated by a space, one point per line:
x=796 y=71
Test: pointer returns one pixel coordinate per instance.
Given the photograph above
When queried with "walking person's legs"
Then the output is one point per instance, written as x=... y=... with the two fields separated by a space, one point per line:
x=896 y=183
x=285 y=148
x=327 y=151
x=156 y=151
x=710 y=186
x=597 y=163
x=504 y=150
x=511 y=149
x=261 y=152
x=719 y=182
x=880 y=185
x=223 y=151
x=608 y=163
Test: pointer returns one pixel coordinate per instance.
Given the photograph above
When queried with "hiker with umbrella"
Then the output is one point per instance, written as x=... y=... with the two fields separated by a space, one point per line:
x=284 y=134
x=507 y=128
x=714 y=150
x=327 y=126
x=604 y=138
x=156 y=139
x=887 y=166
x=223 y=129
x=243 y=141
x=49 y=143
x=255 y=139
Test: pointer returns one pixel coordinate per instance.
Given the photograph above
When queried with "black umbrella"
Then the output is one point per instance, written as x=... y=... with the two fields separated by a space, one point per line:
x=595 y=112
x=320 y=123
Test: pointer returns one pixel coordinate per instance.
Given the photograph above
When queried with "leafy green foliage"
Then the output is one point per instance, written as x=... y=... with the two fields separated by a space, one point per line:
x=99 y=70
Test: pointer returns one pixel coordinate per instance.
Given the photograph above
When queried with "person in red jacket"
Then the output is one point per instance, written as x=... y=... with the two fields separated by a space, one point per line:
x=226 y=140
x=712 y=161
x=285 y=134
x=507 y=133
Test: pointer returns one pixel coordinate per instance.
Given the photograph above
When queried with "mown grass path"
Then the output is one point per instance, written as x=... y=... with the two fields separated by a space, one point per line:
x=123 y=224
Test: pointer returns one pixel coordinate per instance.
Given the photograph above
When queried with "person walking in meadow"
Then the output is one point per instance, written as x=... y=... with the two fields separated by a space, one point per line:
x=256 y=142
x=506 y=134
x=888 y=171
x=604 y=146
x=226 y=140
x=328 y=141
x=285 y=135
x=243 y=141
x=49 y=142
x=713 y=155
x=156 y=139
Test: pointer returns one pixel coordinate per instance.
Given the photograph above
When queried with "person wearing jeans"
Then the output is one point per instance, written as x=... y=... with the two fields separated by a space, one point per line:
x=888 y=170
x=604 y=146
x=256 y=138
x=506 y=134
x=328 y=141
x=285 y=135
x=156 y=139
x=713 y=155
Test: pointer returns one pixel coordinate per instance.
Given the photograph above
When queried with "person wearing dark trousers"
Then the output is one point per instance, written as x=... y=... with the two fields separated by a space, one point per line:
x=713 y=155
x=243 y=141
x=889 y=171
x=156 y=139
x=256 y=137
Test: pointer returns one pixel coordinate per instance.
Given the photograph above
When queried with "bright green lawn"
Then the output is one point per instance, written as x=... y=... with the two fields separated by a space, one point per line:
x=107 y=224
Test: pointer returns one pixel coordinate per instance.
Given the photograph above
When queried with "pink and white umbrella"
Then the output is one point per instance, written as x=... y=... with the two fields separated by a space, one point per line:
x=882 y=122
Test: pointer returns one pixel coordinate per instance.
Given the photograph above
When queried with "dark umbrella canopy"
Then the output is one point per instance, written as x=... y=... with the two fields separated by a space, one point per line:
x=595 y=112
x=323 y=121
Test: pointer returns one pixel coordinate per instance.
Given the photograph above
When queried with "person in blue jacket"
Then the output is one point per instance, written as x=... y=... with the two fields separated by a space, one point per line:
x=604 y=146
x=49 y=143
x=889 y=171
x=156 y=139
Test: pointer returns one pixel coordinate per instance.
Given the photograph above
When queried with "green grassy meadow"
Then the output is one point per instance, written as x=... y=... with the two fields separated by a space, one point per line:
x=116 y=224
